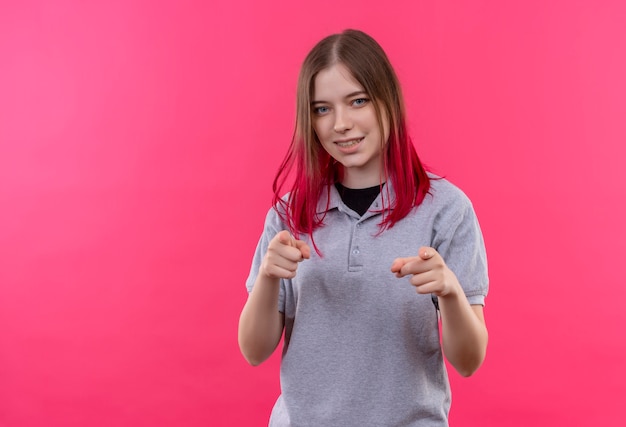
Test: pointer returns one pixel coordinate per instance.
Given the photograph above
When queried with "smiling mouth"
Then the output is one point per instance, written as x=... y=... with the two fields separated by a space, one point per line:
x=350 y=143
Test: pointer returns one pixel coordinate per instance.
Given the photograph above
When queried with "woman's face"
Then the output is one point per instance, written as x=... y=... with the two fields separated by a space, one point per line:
x=344 y=120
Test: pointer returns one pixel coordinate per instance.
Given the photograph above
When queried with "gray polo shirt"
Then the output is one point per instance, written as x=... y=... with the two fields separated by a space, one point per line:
x=361 y=347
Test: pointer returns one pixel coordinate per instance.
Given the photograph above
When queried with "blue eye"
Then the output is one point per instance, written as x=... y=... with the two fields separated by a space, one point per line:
x=320 y=110
x=360 y=102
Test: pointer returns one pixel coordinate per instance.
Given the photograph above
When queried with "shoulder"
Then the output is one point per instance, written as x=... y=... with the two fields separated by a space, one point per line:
x=275 y=217
x=445 y=194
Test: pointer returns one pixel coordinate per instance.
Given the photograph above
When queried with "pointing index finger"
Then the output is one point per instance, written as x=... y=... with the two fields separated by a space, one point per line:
x=305 y=250
x=397 y=264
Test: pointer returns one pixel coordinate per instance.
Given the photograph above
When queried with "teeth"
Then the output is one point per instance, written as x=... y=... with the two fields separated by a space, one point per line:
x=349 y=143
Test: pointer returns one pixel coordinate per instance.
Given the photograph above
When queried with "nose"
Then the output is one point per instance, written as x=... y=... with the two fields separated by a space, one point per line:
x=343 y=121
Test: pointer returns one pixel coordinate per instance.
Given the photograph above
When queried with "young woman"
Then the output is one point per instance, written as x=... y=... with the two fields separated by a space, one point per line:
x=362 y=257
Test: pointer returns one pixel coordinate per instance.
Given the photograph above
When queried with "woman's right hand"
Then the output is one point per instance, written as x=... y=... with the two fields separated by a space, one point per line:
x=261 y=322
x=283 y=255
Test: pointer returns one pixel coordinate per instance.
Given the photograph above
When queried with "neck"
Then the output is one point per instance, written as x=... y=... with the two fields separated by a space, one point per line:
x=355 y=180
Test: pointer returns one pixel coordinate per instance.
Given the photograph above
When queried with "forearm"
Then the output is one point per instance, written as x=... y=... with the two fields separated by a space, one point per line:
x=464 y=334
x=260 y=323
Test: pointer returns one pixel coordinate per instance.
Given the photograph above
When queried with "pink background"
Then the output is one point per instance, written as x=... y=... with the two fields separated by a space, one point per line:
x=138 y=141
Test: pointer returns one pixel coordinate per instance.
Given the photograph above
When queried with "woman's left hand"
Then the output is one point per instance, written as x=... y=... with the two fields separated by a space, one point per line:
x=430 y=273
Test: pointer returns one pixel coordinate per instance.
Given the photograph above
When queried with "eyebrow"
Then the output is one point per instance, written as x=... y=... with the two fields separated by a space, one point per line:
x=350 y=95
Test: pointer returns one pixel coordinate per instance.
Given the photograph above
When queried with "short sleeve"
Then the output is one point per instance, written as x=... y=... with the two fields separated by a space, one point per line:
x=273 y=225
x=459 y=241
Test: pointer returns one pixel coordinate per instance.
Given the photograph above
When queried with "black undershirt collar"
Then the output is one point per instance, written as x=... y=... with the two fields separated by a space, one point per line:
x=358 y=199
